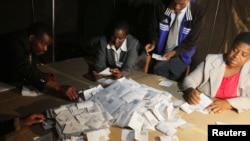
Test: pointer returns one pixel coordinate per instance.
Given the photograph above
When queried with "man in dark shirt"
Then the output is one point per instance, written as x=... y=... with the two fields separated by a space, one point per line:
x=17 y=65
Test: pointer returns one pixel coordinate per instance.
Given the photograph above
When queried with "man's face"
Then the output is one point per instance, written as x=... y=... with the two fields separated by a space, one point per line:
x=178 y=5
x=118 y=37
x=39 y=45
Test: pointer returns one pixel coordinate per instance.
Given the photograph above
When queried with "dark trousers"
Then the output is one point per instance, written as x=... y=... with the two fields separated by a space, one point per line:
x=174 y=69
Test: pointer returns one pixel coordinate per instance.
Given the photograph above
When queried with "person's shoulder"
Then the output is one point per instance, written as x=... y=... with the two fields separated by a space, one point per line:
x=197 y=7
x=214 y=57
x=131 y=37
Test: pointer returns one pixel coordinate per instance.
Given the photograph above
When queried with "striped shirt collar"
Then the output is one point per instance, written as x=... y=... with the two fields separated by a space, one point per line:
x=188 y=12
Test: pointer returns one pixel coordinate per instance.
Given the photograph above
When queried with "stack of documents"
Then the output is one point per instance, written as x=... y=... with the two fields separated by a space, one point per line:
x=139 y=107
x=81 y=119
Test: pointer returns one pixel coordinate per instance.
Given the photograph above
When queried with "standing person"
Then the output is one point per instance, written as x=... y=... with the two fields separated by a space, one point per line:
x=17 y=63
x=119 y=52
x=223 y=77
x=173 y=34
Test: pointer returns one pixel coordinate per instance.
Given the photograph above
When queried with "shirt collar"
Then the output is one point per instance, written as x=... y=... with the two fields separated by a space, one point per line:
x=187 y=10
x=123 y=46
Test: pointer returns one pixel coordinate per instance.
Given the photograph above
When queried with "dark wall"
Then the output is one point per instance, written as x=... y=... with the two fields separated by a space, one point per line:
x=77 y=21
x=15 y=15
x=18 y=14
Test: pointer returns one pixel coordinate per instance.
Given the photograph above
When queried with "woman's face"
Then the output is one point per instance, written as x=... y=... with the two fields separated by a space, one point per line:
x=118 y=37
x=238 y=55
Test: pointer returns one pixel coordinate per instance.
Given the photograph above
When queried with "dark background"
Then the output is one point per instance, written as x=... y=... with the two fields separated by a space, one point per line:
x=77 y=21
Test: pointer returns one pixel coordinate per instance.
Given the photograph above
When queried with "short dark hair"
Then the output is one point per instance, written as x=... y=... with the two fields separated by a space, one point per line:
x=38 y=29
x=242 y=37
x=123 y=25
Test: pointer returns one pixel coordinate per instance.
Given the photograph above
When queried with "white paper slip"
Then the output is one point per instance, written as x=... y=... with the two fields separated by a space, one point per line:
x=158 y=57
x=204 y=102
x=166 y=83
x=168 y=138
x=166 y=129
x=141 y=135
x=105 y=72
x=127 y=135
x=30 y=92
x=136 y=122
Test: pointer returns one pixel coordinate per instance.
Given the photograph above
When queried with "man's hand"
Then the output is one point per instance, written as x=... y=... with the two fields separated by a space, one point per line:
x=192 y=96
x=32 y=119
x=70 y=92
x=219 y=106
x=116 y=73
x=169 y=55
x=149 y=48
x=96 y=75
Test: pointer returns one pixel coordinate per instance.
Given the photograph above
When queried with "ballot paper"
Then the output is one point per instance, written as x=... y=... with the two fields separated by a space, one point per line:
x=164 y=128
x=204 y=102
x=105 y=81
x=5 y=87
x=158 y=57
x=168 y=138
x=136 y=122
x=127 y=135
x=98 y=135
x=165 y=82
x=88 y=93
x=141 y=135
x=30 y=92
x=72 y=127
x=151 y=118
x=75 y=119
x=106 y=72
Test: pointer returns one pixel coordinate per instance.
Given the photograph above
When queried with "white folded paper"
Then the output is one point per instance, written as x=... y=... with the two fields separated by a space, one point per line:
x=105 y=72
x=158 y=57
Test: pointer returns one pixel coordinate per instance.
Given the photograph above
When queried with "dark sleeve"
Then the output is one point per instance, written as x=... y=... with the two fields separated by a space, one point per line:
x=158 y=10
x=101 y=58
x=6 y=127
x=132 y=55
x=21 y=63
x=192 y=37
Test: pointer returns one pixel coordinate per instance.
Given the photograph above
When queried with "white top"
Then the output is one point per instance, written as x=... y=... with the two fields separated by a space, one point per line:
x=118 y=51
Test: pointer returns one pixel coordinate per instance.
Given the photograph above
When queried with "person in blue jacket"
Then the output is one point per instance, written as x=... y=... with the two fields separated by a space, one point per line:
x=174 y=32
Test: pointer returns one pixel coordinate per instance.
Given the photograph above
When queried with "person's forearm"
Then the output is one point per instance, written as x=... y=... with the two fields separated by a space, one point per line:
x=53 y=85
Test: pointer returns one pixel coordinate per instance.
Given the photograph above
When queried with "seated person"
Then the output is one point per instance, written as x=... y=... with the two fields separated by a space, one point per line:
x=17 y=123
x=119 y=53
x=223 y=77
x=19 y=52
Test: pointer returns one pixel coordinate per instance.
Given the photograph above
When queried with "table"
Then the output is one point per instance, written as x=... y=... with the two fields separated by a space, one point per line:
x=71 y=72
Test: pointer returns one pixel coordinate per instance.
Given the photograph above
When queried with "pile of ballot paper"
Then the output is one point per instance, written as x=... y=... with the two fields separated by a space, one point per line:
x=139 y=107
x=81 y=120
x=136 y=108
